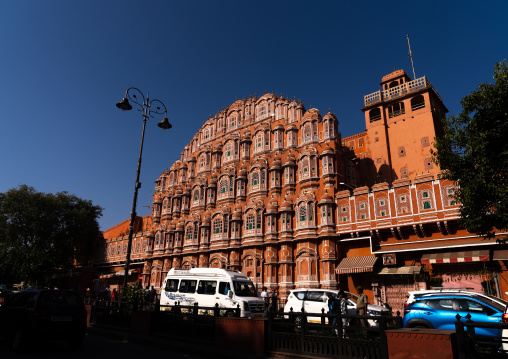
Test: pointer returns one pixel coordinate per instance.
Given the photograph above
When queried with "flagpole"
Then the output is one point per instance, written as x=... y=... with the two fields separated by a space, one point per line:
x=411 y=57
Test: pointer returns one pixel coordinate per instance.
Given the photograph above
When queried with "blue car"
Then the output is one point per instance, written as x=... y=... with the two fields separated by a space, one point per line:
x=439 y=311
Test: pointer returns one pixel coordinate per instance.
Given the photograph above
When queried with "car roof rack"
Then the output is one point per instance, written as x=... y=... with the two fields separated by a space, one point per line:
x=452 y=288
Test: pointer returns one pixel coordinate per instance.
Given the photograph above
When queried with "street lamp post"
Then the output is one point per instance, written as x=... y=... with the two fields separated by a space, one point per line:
x=147 y=112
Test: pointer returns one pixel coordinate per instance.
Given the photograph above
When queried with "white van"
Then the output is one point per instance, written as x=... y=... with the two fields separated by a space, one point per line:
x=208 y=286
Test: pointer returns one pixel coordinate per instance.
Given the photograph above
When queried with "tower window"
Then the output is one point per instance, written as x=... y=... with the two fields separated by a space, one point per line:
x=374 y=114
x=396 y=109
x=417 y=102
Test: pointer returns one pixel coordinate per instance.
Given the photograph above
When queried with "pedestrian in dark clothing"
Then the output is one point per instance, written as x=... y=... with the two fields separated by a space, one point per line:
x=147 y=294
x=333 y=308
x=273 y=301
x=153 y=294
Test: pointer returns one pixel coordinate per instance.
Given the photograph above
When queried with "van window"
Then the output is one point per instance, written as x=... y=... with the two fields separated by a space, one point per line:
x=187 y=286
x=171 y=285
x=207 y=287
x=224 y=288
x=244 y=289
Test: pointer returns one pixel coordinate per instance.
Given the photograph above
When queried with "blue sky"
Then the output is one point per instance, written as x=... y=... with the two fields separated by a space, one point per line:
x=65 y=64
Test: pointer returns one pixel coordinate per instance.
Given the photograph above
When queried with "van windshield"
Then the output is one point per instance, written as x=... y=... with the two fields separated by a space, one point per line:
x=244 y=289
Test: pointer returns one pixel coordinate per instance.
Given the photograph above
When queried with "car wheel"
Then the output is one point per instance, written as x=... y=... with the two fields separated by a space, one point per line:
x=420 y=326
x=18 y=340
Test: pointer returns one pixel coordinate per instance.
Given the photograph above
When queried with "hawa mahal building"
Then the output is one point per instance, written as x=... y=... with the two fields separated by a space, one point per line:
x=271 y=189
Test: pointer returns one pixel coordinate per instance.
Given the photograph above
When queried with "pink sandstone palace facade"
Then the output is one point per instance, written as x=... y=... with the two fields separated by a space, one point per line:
x=269 y=188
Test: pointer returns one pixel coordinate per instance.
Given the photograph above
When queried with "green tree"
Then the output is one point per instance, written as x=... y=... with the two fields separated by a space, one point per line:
x=42 y=235
x=474 y=154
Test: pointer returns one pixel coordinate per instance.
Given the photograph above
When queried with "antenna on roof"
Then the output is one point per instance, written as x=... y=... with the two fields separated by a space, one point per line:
x=411 y=57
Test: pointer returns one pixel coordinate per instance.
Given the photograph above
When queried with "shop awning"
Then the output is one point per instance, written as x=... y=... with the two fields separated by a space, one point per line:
x=356 y=265
x=456 y=257
x=401 y=270
x=500 y=255
x=121 y=272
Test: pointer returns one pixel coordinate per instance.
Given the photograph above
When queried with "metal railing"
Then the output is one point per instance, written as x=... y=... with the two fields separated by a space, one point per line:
x=338 y=335
x=471 y=345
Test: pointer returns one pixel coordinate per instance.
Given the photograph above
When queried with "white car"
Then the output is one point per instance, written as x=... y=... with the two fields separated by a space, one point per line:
x=315 y=300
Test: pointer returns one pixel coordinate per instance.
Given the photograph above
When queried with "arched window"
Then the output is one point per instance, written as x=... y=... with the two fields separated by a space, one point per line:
x=427 y=205
x=255 y=179
x=303 y=213
x=190 y=232
x=374 y=114
x=217 y=226
x=223 y=186
x=251 y=221
x=417 y=102
x=307 y=132
x=396 y=109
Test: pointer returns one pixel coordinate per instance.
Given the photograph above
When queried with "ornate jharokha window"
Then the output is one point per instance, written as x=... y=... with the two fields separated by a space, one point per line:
x=250 y=223
x=254 y=180
x=305 y=215
x=258 y=142
x=217 y=226
x=189 y=235
x=232 y=122
x=292 y=114
x=228 y=152
x=328 y=129
x=223 y=187
x=285 y=221
x=261 y=112
x=307 y=132
x=280 y=112
x=326 y=214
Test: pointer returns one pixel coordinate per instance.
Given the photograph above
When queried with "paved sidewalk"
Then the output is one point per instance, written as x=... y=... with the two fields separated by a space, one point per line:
x=177 y=345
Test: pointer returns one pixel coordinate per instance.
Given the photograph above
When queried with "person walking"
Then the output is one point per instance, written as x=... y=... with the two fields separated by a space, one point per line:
x=333 y=309
x=265 y=296
x=273 y=300
x=153 y=294
x=343 y=310
x=361 y=305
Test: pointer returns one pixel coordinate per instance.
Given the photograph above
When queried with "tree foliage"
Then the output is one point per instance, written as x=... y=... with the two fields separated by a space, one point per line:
x=42 y=235
x=474 y=154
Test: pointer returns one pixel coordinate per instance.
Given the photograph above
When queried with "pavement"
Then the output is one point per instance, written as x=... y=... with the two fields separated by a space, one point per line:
x=174 y=345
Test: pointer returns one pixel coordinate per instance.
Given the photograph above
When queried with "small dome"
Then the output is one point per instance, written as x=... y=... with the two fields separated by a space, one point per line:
x=328 y=150
x=326 y=198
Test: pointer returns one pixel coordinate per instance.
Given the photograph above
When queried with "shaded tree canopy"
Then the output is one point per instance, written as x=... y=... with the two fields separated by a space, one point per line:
x=474 y=153
x=42 y=235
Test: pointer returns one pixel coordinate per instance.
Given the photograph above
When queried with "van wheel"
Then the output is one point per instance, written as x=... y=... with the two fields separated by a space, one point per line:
x=230 y=314
x=18 y=340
